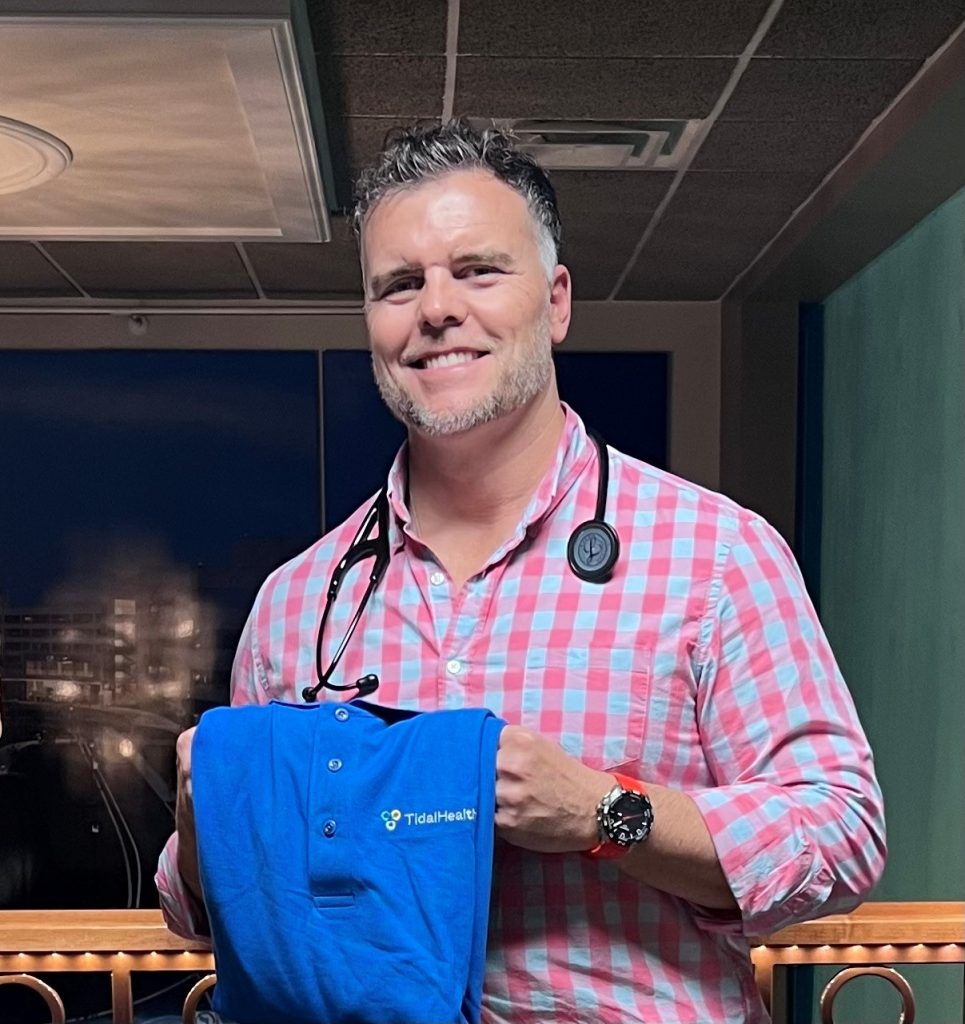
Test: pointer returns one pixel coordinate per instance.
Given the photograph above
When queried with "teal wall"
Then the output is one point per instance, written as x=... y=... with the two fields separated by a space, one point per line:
x=892 y=591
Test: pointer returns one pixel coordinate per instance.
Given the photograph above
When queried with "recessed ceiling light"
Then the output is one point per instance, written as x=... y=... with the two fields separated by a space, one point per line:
x=29 y=156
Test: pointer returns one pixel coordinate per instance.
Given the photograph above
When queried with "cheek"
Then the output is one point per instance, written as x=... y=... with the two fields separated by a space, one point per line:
x=388 y=330
x=509 y=310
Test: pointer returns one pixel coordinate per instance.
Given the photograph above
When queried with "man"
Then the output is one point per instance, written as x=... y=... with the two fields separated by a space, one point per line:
x=698 y=672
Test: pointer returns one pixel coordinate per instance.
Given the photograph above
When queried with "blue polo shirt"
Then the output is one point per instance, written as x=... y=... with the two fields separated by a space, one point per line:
x=346 y=860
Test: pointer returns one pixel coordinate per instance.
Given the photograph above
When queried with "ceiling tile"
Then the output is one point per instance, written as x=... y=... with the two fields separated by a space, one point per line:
x=401 y=86
x=805 y=147
x=712 y=229
x=686 y=267
x=775 y=89
x=373 y=26
x=611 y=28
x=155 y=270
x=315 y=271
x=862 y=28
x=355 y=143
x=25 y=273
x=604 y=214
x=721 y=198
x=588 y=88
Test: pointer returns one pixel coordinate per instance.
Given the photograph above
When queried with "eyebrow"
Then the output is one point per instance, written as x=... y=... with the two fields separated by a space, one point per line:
x=495 y=257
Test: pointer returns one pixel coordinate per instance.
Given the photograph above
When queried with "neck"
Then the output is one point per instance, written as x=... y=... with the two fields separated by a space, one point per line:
x=483 y=479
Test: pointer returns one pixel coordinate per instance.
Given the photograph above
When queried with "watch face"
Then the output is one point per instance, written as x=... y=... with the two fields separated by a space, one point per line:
x=629 y=819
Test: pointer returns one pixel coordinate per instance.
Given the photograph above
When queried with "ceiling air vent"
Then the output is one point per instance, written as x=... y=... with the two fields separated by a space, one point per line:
x=660 y=145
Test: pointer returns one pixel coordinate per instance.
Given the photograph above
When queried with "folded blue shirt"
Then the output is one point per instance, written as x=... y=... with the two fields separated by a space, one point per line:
x=346 y=860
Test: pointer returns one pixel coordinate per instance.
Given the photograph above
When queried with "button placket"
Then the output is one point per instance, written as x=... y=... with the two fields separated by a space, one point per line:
x=330 y=834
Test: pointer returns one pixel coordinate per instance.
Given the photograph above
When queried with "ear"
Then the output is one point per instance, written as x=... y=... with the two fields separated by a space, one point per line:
x=561 y=303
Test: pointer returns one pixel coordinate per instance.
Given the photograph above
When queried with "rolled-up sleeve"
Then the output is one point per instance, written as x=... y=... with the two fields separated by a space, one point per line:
x=796 y=813
x=182 y=913
x=180 y=909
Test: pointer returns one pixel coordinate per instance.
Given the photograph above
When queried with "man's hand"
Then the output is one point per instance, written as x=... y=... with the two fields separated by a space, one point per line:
x=184 y=817
x=545 y=799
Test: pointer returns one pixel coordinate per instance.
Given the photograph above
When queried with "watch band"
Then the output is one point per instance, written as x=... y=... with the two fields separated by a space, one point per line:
x=605 y=849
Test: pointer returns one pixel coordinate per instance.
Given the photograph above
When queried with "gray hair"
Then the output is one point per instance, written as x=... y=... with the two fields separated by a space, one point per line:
x=411 y=156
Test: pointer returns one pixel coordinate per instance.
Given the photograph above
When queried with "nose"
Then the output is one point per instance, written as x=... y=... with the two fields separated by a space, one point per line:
x=441 y=301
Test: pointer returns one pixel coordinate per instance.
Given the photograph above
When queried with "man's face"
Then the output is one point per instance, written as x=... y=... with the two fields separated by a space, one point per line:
x=460 y=313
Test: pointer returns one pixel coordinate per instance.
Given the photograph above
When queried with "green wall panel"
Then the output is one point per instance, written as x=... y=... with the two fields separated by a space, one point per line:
x=893 y=555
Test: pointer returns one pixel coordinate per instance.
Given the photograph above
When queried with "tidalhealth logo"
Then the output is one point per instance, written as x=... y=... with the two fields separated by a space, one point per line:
x=391 y=819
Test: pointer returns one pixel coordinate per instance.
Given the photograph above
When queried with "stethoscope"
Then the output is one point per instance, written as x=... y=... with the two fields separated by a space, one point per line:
x=591 y=553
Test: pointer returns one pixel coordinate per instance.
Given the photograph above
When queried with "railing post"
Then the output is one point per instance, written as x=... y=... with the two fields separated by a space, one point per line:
x=122 y=999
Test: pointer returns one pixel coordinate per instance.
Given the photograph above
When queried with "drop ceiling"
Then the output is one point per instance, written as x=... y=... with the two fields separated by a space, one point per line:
x=780 y=93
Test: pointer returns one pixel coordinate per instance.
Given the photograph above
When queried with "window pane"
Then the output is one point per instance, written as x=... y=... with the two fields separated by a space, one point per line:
x=146 y=495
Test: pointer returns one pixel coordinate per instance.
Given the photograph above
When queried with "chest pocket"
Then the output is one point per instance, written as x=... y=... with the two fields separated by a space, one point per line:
x=592 y=701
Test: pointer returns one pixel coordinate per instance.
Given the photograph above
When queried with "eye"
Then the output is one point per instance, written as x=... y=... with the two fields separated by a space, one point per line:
x=480 y=271
x=401 y=285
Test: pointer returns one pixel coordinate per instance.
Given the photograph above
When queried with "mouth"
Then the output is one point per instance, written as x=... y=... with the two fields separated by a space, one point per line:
x=435 y=362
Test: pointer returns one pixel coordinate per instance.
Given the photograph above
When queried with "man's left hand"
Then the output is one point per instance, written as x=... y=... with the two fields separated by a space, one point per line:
x=545 y=799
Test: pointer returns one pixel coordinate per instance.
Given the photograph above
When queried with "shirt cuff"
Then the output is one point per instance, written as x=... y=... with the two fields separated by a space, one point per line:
x=776 y=876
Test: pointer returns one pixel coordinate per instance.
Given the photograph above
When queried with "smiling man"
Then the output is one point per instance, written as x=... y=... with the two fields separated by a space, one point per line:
x=684 y=767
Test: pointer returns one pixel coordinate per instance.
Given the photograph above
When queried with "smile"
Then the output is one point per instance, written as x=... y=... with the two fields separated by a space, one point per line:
x=446 y=359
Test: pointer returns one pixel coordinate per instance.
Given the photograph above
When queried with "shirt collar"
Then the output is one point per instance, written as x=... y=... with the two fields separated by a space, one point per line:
x=572 y=456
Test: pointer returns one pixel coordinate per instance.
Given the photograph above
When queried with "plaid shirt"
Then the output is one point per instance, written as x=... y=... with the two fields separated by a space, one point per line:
x=701 y=666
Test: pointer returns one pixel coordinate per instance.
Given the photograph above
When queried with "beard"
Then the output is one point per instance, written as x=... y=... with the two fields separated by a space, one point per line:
x=520 y=381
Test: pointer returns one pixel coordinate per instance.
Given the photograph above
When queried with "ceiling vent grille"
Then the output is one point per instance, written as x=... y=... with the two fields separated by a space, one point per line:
x=658 y=145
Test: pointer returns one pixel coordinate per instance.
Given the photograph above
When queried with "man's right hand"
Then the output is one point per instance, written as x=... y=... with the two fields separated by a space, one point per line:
x=184 y=817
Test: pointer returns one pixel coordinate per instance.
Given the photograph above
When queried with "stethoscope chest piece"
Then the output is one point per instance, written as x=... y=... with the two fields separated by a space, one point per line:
x=593 y=550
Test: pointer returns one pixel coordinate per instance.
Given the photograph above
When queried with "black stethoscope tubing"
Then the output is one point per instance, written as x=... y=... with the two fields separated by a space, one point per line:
x=591 y=553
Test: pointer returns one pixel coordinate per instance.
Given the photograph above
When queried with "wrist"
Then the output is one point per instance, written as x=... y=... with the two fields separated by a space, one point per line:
x=601 y=785
x=624 y=818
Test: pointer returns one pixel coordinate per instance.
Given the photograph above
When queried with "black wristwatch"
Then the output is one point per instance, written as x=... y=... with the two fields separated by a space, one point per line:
x=624 y=819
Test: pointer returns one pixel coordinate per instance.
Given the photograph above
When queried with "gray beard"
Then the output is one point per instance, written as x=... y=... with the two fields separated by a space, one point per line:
x=522 y=382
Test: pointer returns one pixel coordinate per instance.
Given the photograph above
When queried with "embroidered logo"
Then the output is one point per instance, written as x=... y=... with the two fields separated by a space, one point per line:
x=391 y=819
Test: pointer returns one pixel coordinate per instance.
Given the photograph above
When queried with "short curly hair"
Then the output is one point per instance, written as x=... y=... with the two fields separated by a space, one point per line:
x=413 y=155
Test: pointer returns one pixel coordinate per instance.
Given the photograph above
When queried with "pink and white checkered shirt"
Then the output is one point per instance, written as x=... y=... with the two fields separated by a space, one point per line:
x=701 y=666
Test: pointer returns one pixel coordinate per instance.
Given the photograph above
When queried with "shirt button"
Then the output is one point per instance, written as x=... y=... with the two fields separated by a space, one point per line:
x=328 y=829
x=341 y=714
x=334 y=765
x=437 y=579
x=454 y=667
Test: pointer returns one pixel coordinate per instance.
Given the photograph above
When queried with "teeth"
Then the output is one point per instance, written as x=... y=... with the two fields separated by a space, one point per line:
x=451 y=359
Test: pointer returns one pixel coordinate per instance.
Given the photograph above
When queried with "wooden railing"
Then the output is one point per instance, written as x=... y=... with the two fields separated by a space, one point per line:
x=120 y=942
x=864 y=942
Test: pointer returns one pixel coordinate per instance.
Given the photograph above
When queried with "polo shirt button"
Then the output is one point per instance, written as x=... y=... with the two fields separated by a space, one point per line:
x=341 y=714
x=334 y=765
x=437 y=579
x=328 y=829
x=454 y=667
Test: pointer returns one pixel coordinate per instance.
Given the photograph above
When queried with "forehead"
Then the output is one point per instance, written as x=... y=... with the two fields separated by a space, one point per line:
x=462 y=208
